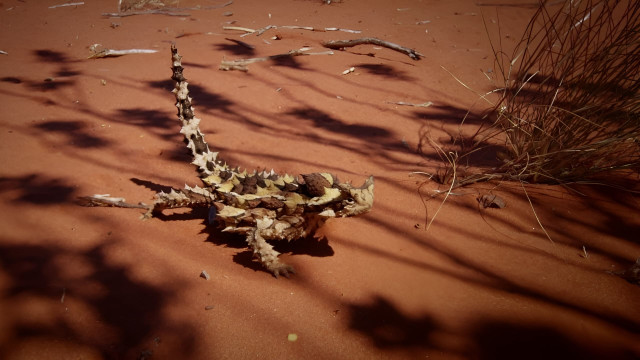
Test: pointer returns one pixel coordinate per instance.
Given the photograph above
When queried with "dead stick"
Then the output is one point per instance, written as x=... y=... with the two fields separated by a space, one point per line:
x=340 y=44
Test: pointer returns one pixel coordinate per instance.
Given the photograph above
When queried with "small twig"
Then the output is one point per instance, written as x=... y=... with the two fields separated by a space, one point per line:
x=4 y=52
x=321 y=29
x=111 y=52
x=241 y=64
x=261 y=31
x=340 y=44
x=584 y=251
x=108 y=200
x=247 y=30
x=426 y=104
x=67 y=4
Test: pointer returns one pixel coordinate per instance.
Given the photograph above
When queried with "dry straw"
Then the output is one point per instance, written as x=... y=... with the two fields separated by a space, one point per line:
x=569 y=100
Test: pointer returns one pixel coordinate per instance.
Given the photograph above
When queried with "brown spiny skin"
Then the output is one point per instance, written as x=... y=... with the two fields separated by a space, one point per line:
x=260 y=205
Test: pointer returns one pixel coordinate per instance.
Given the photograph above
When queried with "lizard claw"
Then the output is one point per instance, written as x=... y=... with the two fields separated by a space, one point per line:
x=282 y=269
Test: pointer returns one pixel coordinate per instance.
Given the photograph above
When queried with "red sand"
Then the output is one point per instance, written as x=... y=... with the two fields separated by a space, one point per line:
x=96 y=283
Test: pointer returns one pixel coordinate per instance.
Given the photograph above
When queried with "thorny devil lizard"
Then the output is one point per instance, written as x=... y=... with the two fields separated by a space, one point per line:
x=260 y=205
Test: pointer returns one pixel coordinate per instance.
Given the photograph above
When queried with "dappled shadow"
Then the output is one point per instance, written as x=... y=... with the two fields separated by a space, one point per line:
x=385 y=71
x=64 y=71
x=388 y=327
x=37 y=189
x=76 y=133
x=287 y=61
x=507 y=341
x=153 y=120
x=325 y=121
x=236 y=48
x=120 y=314
x=11 y=79
x=47 y=55
x=49 y=84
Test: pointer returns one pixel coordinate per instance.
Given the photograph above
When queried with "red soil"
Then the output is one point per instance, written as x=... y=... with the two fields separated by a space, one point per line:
x=98 y=283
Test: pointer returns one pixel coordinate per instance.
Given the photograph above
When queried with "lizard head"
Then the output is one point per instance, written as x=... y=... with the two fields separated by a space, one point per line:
x=357 y=200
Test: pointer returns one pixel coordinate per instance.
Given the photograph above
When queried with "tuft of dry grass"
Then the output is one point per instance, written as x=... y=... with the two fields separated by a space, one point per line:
x=569 y=100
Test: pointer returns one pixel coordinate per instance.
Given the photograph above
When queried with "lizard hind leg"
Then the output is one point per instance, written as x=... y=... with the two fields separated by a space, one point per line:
x=267 y=255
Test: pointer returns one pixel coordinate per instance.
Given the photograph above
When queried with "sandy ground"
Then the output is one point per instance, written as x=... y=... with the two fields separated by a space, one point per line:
x=98 y=283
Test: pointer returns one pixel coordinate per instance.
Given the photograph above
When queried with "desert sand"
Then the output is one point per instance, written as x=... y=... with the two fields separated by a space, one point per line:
x=99 y=283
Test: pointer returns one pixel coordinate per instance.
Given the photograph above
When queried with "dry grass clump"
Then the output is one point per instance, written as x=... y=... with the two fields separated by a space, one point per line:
x=569 y=106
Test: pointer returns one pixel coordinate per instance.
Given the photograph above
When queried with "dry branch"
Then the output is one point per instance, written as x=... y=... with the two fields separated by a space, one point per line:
x=341 y=44
x=112 y=52
x=261 y=31
x=67 y=4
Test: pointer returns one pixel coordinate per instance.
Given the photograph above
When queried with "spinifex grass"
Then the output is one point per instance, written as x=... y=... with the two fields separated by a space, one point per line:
x=569 y=104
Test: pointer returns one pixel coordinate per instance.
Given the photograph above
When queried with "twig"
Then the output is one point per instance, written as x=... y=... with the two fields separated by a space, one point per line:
x=317 y=29
x=247 y=30
x=426 y=104
x=261 y=31
x=67 y=4
x=111 y=52
x=4 y=52
x=241 y=64
x=340 y=44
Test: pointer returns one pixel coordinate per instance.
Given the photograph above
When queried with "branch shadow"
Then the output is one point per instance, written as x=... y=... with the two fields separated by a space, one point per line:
x=389 y=328
x=76 y=133
x=385 y=71
x=325 y=121
x=38 y=189
x=236 y=48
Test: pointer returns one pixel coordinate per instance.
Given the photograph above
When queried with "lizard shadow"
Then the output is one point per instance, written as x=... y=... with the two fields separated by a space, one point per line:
x=309 y=245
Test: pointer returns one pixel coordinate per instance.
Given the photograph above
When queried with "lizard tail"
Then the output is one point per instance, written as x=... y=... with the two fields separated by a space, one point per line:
x=206 y=160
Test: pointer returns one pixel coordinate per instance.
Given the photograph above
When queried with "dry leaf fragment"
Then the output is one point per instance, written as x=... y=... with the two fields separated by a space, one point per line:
x=205 y=275
x=491 y=201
